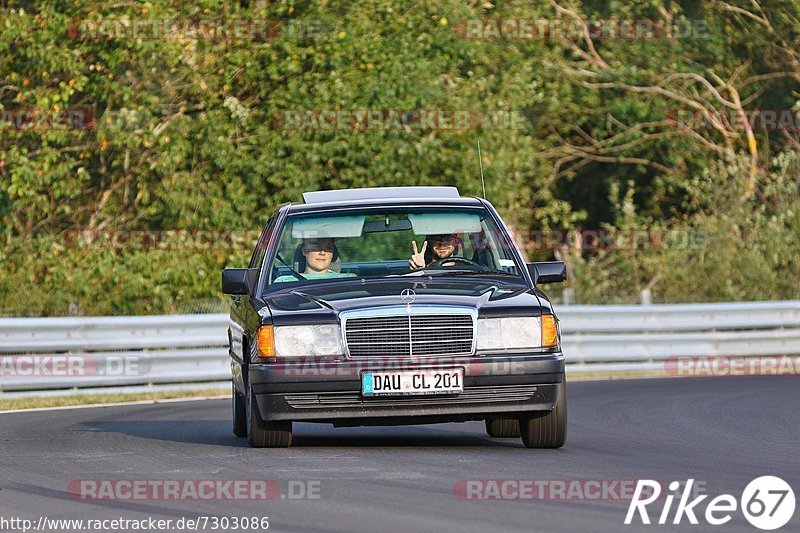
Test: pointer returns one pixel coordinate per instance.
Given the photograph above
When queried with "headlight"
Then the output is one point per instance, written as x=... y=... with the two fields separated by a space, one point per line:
x=299 y=341
x=515 y=333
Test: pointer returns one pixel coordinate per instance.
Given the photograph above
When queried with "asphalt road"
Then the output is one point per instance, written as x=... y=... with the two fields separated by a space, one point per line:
x=722 y=432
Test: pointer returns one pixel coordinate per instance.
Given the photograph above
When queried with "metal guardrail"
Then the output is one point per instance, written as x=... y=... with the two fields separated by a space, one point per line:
x=654 y=333
x=135 y=350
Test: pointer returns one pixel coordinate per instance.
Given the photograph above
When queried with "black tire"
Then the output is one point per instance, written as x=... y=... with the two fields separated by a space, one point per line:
x=263 y=434
x=547 y=429
x=239 y=413
x=502 y=427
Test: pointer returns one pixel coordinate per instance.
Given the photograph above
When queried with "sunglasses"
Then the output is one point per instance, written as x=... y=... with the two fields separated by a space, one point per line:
x=317 y=246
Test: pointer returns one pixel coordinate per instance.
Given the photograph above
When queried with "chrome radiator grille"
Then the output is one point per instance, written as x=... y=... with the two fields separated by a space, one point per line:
x=415 y=335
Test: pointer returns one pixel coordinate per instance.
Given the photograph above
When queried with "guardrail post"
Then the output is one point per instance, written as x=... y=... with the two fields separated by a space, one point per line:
x=568 y=296
x=645 y=297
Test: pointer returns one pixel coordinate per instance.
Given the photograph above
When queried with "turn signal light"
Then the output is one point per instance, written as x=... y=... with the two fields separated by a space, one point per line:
x=549 y=331
x=266 y=341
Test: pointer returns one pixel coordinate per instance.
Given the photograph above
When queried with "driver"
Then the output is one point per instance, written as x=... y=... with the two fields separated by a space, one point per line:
x=441 y=247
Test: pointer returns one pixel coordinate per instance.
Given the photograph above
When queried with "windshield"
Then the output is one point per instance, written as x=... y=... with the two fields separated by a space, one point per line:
x=390 y=243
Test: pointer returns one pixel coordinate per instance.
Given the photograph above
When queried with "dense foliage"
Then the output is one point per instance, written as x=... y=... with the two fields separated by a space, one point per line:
x=579 y=132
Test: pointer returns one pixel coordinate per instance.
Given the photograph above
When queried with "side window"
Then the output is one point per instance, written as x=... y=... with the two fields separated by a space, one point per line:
x=263 y=241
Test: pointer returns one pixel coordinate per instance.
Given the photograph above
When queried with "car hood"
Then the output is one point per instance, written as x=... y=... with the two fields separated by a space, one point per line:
x=324 y=301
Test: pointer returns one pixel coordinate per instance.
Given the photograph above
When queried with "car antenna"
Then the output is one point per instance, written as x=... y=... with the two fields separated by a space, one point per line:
x=480 y=163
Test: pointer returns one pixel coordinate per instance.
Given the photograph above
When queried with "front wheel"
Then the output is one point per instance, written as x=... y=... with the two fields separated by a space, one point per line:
x=262 y=434
x=548 y=429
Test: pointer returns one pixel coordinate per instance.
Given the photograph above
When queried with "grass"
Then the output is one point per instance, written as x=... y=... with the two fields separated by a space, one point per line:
x=88 y=399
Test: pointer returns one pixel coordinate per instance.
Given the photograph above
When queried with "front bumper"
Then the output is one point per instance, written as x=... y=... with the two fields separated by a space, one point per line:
x=331 y=391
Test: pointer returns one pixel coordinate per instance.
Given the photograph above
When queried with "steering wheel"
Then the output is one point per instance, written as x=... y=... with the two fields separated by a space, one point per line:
x=441 y=262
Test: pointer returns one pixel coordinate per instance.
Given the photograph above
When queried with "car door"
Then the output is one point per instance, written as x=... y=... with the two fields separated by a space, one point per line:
x=242 y=311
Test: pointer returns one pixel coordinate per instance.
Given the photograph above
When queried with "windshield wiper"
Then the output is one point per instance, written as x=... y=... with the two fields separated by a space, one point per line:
x=437 y=271
x=295 y=272
x=486 y=271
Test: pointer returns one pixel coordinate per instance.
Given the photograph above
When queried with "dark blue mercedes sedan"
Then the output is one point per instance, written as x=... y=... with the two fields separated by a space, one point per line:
x=396 y=305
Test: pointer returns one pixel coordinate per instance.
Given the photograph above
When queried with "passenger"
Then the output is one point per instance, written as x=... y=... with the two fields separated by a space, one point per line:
x=317 y=254
x=442 y=247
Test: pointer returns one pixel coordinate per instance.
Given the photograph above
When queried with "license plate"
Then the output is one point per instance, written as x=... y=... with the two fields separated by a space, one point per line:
x=412 y=382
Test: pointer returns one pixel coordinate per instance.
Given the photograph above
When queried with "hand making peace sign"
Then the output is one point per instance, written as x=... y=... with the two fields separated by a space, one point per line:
x=418 y=258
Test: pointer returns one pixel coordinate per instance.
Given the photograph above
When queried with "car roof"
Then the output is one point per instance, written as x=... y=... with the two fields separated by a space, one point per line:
x=379 y=193
x=383 y=197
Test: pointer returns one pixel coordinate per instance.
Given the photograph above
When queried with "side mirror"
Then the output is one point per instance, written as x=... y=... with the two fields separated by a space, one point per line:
x=235 y=280
x=548 y=272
